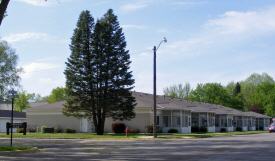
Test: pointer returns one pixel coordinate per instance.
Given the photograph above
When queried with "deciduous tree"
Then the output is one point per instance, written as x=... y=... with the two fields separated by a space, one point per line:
x=9 y=73
x=57 y=94
x=178 y=91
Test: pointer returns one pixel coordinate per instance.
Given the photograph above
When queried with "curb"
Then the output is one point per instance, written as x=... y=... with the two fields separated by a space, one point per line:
x=34 y=149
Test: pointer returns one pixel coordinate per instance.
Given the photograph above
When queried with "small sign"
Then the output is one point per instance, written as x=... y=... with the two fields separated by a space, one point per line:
x=13 y=96
x=17 y=125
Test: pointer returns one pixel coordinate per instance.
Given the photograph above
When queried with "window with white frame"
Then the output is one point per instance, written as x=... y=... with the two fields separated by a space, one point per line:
x=217 y=120
x=229 y=122
x=185 y=121
x=166 y=121
x=223 y=121
x=195 y=119
x=176 y=118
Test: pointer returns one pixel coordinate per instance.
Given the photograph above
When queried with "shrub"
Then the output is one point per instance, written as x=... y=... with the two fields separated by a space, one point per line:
x=134 y=131
x=239 y=129
x=149 y=128
x=195 y=129
x=203 y=129
x=223 y=130
x=69 y=130
x=32 y=130
x=42 y=127
x=118 y=127
x=57 y=129
x=261 y=128
x=257 y=128
x=159 y=129
x=173 y=130
x=19 y=130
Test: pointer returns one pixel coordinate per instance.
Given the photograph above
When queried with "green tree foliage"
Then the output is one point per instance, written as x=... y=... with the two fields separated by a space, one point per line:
x=57 y=94
x=97 y=75
x=230 y=88
x=264 y=98
x=248 y=87
x=237 y=89
x=178 y=91
x=23 y=101
x=211 y=93
x=9 y=74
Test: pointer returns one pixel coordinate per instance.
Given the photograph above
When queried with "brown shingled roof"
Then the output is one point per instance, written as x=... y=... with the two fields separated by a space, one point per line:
x=145 y=100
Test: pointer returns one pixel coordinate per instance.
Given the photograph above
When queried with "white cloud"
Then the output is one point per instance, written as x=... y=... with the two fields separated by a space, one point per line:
x=44 y=3
x=42 y=77
x=233 y=22
x=26 y=36
x=133 y=26
x=133 y=6
x=41 y=3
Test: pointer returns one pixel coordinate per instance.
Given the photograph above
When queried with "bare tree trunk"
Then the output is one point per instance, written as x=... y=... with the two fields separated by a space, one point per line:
x=3 y=7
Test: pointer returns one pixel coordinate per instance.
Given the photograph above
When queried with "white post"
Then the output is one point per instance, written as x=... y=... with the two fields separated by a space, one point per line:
x=181 y=118
x=171 y=119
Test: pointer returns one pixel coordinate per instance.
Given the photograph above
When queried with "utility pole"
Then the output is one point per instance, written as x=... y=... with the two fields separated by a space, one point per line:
x=155 y=91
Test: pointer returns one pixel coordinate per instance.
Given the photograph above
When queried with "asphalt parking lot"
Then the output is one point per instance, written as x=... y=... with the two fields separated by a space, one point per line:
x=239 y=147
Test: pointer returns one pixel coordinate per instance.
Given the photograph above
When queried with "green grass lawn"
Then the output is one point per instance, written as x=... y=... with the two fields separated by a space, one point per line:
x=12 y=148
x=132 y=135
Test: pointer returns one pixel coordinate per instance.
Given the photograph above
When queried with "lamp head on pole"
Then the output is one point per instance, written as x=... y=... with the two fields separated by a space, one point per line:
x=164 y=40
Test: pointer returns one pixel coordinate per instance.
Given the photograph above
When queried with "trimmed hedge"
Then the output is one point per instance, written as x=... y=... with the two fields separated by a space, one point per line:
x=57 y=129
x=203 y=129
x=223 y=130
x=118 y=127
x=19 y=130
x=69 y=130
x=239 y=129
x=195 y=129
x=173 y=130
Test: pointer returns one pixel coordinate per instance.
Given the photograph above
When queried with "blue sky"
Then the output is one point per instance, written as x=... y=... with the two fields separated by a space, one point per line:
x=208 y=41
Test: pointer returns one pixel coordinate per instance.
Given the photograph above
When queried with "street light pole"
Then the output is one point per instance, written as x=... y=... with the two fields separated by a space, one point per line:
x=154 y=91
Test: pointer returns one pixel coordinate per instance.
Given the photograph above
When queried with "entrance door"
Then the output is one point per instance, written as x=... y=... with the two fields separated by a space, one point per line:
x=84 y=125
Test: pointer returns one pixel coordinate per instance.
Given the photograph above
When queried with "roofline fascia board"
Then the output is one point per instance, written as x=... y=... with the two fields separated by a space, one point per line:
x=13 y=118
x=144 y=108
x=168 y=109
x=224 y=113
x=204 y=112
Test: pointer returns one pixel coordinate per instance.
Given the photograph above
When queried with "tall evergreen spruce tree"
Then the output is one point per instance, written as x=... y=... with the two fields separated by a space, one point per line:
x=98 y=79
x=237 y=89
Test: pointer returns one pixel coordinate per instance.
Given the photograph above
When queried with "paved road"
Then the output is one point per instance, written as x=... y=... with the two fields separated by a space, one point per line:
x=246 y=147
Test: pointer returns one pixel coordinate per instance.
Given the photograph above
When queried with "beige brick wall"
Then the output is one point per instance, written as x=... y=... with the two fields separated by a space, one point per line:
x=51 y=120
x=139 y=122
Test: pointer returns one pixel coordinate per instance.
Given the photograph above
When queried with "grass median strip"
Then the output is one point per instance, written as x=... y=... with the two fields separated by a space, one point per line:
x=13 y=148
x=131 y=136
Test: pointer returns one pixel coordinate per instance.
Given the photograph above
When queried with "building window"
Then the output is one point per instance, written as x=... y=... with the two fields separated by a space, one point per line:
x=157 y=120
x=166 y=121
